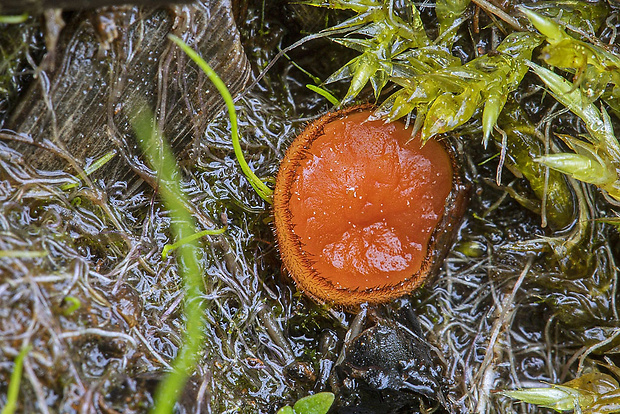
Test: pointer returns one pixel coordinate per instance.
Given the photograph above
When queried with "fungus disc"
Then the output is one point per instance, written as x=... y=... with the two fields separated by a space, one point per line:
x=356 y=204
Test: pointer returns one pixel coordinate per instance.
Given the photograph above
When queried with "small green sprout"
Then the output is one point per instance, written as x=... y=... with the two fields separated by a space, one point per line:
x=16 y=376
x=585 y=165
x=74 y=304
x=567 y=52
x=556 y=397
x=312 y=404
x=210 y=232
x=576 y=14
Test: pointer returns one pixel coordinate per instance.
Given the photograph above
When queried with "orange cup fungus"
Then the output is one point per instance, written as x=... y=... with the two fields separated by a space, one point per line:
x=363 y=212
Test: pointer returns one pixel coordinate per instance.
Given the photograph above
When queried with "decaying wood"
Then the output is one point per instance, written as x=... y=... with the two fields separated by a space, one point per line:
x=82 y=105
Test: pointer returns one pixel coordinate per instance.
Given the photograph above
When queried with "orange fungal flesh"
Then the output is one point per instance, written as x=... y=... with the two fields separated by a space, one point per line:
x=365 y=201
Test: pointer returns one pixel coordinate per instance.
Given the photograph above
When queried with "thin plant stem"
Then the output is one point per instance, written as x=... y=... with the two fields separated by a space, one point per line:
x=259 y=186
x=16 y=377
x=170 y=247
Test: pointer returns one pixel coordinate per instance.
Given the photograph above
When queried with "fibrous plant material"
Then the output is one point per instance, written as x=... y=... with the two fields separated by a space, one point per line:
x=48 y=278
x=493 y=332
x=362 y=208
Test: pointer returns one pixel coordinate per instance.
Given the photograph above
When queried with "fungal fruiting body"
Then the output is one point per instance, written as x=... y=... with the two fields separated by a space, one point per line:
x=359 y=206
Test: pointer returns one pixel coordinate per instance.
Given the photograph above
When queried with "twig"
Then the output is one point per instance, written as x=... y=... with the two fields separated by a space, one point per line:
x=594 y=347
x=486 y=375
x=36 y=386
x=151 y=349
x=98 y=332
x=493 y=9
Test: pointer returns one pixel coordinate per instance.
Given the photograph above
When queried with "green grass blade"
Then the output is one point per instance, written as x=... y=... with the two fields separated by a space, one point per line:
x=260 y=187
x=325 y=94
x=16 y=377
